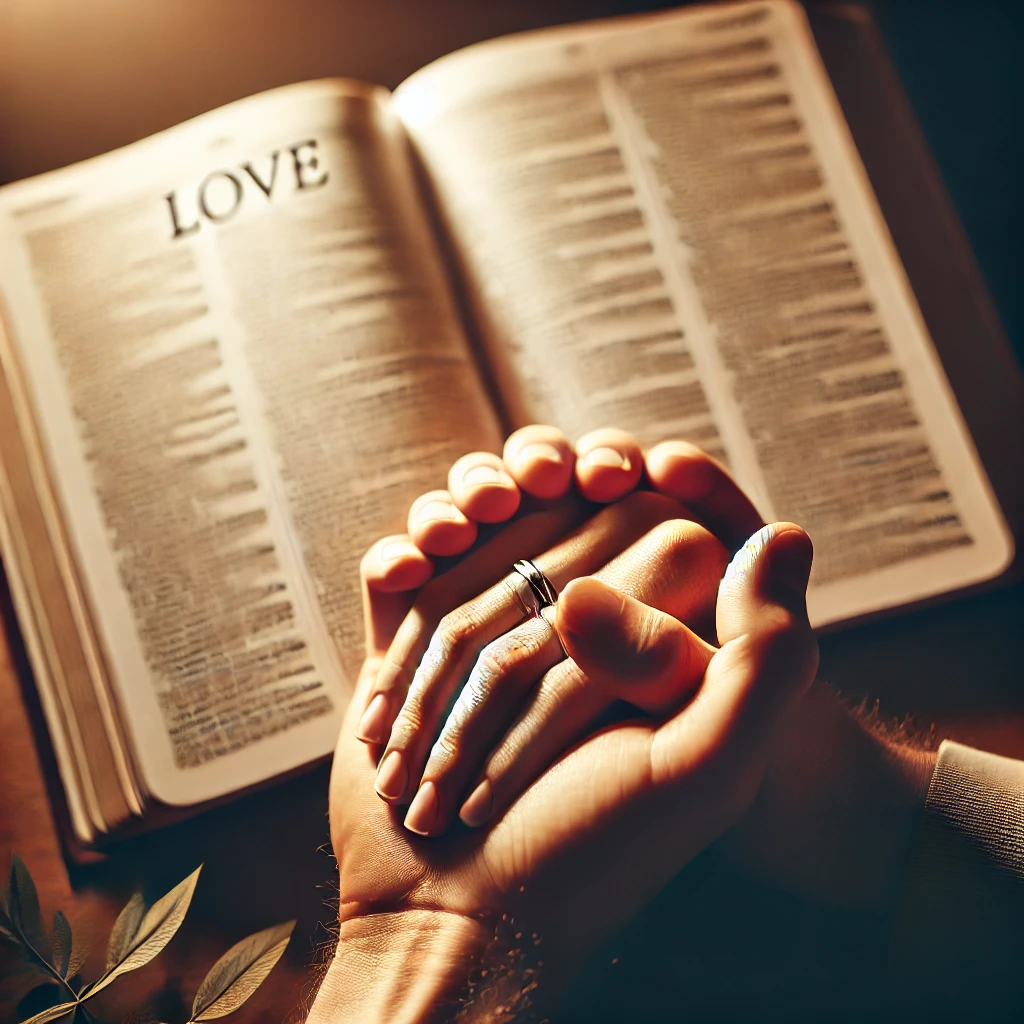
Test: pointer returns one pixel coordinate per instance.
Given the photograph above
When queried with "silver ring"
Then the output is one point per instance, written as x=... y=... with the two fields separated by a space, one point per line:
x=523 y=594
x=541 y=590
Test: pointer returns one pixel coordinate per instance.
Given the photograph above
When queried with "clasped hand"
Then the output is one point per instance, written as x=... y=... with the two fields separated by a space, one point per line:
x=586 y=786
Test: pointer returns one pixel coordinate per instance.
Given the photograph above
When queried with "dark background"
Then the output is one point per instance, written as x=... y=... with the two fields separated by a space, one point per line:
x=78 y=79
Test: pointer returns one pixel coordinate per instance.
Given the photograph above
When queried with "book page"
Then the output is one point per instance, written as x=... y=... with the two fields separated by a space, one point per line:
x=234 y=337
x=665 y=226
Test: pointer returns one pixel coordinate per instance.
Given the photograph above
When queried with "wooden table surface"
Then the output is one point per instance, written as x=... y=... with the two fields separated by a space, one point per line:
x=959 y=665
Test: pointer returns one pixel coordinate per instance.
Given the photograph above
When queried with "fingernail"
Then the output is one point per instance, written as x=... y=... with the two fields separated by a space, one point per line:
x=539 y=451
x=392 y=776
x=791 y=562
x=477 y=808
x=437 y=510
x=374 y=721
x=486 y=475
x=422 y=810
x=397 y=549
x=744 y=559
x=606 y=457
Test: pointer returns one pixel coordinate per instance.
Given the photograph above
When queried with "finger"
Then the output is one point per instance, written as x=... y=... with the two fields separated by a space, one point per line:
x=564 y=707
x=768 y=658
x=766 y=579
x=507 y=669
x=390 y=572
x=685 y=472
x=362 y=688
x=541 y=460
x=419 y=614
x=635 y=652
x=567 y=702
x=437 y=526
x=491 y=562
x=609 y=464
x=462 y=633
x=481 y=487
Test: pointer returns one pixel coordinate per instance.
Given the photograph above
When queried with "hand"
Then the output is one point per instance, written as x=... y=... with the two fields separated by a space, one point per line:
x=411 y=708
x=514 y=653
x=587 y=845
x=425 y=909
x=835 y=815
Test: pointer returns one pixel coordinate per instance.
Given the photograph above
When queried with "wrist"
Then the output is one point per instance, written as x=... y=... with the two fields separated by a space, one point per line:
x=878 y=789
x=404 y=967
x=898 y=788
x=427 y=967
x=838 y=808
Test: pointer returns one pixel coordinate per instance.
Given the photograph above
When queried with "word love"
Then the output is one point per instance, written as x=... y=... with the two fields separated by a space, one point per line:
x=221 y=193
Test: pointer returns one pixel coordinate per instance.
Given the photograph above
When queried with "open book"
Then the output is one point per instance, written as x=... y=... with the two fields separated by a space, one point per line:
x=233 y=354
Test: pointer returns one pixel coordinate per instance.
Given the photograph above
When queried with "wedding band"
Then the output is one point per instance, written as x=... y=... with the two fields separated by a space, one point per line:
x=535 y=593
x=523 y=593
x=540 y=593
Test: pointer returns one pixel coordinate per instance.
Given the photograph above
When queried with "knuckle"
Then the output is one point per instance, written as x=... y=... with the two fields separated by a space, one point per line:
x=522 y=646
x=486 y=673
x=654 y=658
x=443 y=754
x=396 y=673
x=456 y=630
x=407 y=726
x=545 y=701
x=516 y=651
x=670 y=538
x=684 y=540
x=784 y=635
x=558 y=686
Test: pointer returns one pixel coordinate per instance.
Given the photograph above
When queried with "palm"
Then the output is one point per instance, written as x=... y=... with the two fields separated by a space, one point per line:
x=523 y=864
x=584 y=827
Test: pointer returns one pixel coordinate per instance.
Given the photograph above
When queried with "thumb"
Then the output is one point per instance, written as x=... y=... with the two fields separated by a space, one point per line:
x=765 y=582
x=767 y=660
x=633 y=651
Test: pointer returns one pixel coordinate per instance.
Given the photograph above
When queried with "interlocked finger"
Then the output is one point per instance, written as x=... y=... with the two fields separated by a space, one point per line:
x=412 y=710
x=509 y=667
x=408 y=621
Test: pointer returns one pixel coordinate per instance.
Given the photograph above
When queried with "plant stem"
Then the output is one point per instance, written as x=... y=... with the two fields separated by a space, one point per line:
x=45 y=964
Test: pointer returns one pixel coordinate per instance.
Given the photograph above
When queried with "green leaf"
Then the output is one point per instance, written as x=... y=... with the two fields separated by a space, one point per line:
x=61 y=944
x=125 y=927
x=239 y=972
x=53 y=1013
x=23 y=910
x=154 y=931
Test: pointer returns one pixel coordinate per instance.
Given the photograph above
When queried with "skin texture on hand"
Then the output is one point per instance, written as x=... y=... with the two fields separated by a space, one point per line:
x=592 y=840
x=682 y=578
x=835 y=816
x=503 y=670
x=416 y=914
